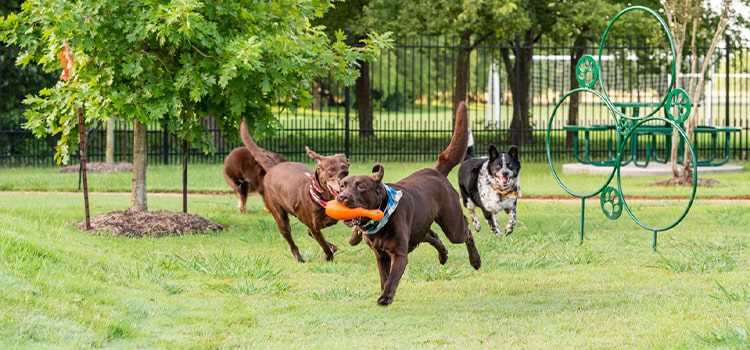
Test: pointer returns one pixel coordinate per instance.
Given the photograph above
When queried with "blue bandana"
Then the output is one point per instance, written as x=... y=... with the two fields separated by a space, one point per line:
x=393 y=197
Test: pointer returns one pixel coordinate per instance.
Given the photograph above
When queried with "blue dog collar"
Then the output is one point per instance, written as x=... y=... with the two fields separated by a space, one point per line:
x=393 y=197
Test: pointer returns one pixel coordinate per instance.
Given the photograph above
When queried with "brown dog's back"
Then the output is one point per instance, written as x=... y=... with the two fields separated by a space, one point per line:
x=240 y=167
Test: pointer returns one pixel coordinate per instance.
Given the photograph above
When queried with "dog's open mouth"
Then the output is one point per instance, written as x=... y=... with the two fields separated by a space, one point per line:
x=358 y=221
x=332 y=190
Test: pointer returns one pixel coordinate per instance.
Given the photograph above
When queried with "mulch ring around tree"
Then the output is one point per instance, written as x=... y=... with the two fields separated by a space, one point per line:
x=679 y=181
x=126 y=223
x=99 y=168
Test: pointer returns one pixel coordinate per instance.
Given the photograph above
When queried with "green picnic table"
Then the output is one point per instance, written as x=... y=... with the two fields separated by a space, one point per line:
x=653 y=132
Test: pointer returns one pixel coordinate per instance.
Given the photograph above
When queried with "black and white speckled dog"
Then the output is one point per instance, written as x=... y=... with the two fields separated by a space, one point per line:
x=492 y=185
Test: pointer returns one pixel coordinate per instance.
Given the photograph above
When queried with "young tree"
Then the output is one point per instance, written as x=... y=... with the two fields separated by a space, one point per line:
x=687 y=20
x=171 y=62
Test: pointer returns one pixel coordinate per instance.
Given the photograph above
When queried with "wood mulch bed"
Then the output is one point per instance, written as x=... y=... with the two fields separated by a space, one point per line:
x=99 y=168
x=158 y=223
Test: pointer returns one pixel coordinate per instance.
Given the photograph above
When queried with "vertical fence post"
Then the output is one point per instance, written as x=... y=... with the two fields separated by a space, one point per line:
x=347 y=103
x=165 y=143
x=516 y=91
x=726 y=82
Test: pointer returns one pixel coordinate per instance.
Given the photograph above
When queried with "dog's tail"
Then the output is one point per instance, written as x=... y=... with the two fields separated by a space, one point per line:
x=266 y=159
x=454 y=154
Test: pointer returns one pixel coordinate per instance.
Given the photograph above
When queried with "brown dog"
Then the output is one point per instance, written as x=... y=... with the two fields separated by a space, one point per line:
x=292 y=188
x=243 y=174
x=425 y=197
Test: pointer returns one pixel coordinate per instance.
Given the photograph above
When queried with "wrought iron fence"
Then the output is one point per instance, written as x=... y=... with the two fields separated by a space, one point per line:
x=411 y=90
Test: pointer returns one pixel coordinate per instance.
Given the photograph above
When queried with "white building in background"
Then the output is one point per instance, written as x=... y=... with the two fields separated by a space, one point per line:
x=492 y=96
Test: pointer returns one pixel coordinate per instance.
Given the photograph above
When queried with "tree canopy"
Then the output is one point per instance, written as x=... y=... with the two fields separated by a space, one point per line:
x=173 y=61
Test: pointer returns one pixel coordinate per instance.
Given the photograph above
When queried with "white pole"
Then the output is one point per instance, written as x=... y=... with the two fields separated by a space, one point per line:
x=708 y=100
x=496 y=94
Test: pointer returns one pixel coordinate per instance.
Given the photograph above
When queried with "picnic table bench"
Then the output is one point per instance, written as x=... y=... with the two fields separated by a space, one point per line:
x=653 y=132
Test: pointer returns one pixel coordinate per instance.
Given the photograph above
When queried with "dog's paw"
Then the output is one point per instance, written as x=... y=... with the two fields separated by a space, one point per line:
x=385 y=300
x=477 y=225
x=497 y=232
x=355 y=238
x=443 y=257
x=333 y=247
x=475 y=262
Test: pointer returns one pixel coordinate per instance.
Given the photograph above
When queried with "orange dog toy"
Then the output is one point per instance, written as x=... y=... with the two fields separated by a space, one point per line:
x=339 y=211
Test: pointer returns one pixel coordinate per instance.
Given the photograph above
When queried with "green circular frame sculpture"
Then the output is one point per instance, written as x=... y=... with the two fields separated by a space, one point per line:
x=676 y=104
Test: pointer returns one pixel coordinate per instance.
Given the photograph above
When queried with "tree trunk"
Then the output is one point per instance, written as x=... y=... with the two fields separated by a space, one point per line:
x=520 y=127
x=575 y=55
x=316 y=103
x=140 y=162
x=674 y=154
x=462 y=70
x=364 y=100
x=110 y=152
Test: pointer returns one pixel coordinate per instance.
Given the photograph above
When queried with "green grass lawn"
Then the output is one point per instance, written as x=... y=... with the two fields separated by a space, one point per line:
x=241 y=288
x=536 y=180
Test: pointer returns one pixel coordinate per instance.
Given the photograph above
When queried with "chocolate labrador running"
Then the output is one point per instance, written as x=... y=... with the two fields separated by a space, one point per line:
x=411 y=206
x=244 y=175
x=292 y=188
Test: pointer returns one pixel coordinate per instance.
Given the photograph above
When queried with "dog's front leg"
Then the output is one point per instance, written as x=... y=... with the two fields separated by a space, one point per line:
x=356 y=236
x=511 y=219
x=492 y=221
x=398 y=265
x=384 y=266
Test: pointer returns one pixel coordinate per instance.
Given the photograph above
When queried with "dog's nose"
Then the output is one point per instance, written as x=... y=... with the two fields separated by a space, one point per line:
x=505 y=173
x=343 y=199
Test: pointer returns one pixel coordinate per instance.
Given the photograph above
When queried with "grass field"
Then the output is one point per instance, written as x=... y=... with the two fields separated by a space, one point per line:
x=241 y=288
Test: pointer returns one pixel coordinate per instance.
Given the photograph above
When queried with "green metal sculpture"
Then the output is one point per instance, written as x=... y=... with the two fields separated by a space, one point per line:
x=676 y=104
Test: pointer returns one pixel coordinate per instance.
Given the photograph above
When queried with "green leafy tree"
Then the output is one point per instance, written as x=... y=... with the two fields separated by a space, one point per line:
x=349 y=15
x=171 y=62
x=472 y=21
x=15 y=83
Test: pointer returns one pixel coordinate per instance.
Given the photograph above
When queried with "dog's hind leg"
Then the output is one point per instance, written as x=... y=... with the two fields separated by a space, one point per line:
x=328 y=248
x=242 y=189
x=236 y=187
x=511 y=220
x=282 y=221
x=433 y=239
x=453 y=223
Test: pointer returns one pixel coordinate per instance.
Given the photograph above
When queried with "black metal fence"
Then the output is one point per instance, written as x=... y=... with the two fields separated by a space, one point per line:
x=411 y=90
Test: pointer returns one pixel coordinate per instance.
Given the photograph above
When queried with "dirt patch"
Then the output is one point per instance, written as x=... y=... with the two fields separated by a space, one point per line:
x=152 y=224
x=686 y=182
x=99 y=168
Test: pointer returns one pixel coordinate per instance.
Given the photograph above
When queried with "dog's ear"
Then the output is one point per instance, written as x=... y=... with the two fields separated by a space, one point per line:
x=312 y=154
x=377 y=173
x=513 y=152
x=493 y=153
